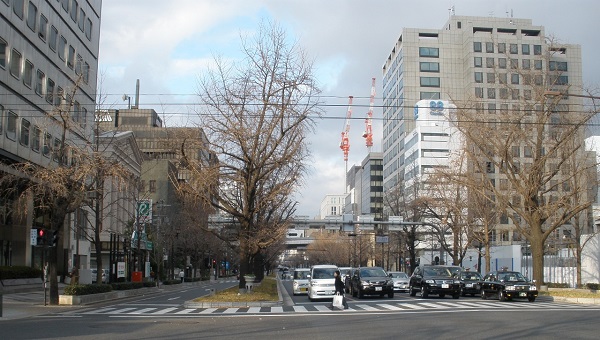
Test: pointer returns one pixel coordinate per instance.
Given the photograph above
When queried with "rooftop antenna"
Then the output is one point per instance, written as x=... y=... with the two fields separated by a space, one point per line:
x=451 y=11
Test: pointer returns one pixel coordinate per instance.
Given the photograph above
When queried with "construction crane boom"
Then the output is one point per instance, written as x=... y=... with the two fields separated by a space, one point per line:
x=345 y=143
x=368 y=134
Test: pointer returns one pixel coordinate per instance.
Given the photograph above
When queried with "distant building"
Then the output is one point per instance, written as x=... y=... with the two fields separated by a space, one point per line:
x=332 y=205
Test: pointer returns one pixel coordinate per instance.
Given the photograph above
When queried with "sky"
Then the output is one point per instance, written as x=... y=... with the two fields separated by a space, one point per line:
x=167 y=45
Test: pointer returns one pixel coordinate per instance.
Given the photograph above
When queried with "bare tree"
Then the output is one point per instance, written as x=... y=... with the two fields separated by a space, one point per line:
x=256 y=115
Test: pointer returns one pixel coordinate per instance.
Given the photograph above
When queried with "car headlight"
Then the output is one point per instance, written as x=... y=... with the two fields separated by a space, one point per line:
x=429 y=281
x=365 y=283
x=456 y=282
x=510 y=288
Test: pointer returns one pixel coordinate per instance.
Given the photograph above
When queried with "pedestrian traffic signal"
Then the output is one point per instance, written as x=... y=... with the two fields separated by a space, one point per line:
x=54 y=238
x=42 y=237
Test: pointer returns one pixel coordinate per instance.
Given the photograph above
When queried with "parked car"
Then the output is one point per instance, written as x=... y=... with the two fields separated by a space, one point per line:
x=300 y=283
x=95 y=275
x=322 y=282
x=507 y=285
x=436 y=279
x=400 y=280
x=470 y=283
x=371 y=281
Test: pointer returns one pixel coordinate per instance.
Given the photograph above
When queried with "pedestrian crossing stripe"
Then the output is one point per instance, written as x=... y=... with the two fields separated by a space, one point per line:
x=376 y=307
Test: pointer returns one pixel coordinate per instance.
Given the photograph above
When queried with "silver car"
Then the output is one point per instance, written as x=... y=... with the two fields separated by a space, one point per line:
x=401 y=281
x=300 y=283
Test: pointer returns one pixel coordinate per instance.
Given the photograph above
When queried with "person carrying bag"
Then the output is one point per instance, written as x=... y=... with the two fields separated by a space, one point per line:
x=339 y=300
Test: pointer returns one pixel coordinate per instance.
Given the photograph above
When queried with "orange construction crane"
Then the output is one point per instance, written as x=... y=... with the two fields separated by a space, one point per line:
x=345 y=143
x=368 y=134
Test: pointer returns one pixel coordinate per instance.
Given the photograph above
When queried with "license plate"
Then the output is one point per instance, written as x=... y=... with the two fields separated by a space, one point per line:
x=303 y=289
x=445 y=285
x=378 y=289
x=522 y=294
x=469 y=285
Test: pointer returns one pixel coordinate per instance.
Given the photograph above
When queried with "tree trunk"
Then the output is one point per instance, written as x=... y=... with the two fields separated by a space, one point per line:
x=537 y=255
x=52 y=275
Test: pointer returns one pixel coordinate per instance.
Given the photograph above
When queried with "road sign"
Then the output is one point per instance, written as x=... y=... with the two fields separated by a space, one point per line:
x=33 y=237
x=144 y=211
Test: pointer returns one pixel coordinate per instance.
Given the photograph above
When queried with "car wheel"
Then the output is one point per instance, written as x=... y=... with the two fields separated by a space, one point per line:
x=501 y=295
x=412 y=291
x=455 y=296
x=360 y=294
x=462 y=292
x=442 y=295
x=473 y=294
x=483 y=296
x=531 y=298
x=391 y=295
x=353 y=292
x=424 y=292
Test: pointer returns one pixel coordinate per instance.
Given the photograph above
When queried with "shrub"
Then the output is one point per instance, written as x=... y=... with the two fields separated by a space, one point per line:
x=19 y=272
x=171 y=282
x=126 y=285
x=592 y=286
x=557 y=285
x=87 y=289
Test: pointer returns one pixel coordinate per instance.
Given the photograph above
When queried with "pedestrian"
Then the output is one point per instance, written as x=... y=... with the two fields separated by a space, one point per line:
x=181 y=275
x=339 y=287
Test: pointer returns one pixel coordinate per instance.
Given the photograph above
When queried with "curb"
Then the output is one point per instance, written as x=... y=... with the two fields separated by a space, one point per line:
x=282 y=293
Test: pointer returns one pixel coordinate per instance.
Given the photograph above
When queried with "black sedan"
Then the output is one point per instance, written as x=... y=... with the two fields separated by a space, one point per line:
x=469 y=283
x=438 y=280
x=371 y=281
x=507 y=285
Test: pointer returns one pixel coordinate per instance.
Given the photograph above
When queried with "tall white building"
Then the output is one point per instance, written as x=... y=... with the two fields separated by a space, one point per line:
x=332 y=205
x=48 y=48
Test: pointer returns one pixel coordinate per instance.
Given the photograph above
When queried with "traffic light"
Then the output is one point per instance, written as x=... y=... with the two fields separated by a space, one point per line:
x=214 y=264
x=41 y=237
x=54 y=238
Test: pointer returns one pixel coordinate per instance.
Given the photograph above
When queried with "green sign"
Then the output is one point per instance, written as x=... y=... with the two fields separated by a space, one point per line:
x=144 y=211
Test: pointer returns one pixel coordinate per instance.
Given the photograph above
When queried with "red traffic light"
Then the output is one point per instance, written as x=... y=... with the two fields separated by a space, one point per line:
x=41 y=232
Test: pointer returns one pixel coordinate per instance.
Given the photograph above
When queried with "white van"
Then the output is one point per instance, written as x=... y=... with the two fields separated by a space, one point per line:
x=322 y=282
x=301 y=278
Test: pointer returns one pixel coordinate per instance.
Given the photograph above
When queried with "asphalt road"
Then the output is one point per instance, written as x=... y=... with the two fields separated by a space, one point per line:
x=162 y=316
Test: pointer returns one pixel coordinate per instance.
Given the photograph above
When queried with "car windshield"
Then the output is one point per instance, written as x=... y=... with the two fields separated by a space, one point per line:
x=470 y=276
x=372 y=272
x=301 y=274
x=323 y=273
x=436 y=271
x=399 y=275
x=511 y=277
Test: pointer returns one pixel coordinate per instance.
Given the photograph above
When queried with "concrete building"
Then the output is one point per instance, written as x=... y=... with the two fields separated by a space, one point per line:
x=332 y=205
x=48 y=60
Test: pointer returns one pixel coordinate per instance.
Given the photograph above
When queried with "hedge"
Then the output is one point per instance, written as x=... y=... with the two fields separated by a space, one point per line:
x=87 y=289
x=19 y=272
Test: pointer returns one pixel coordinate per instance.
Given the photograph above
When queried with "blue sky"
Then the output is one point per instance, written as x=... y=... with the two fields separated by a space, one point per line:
x=168 y=44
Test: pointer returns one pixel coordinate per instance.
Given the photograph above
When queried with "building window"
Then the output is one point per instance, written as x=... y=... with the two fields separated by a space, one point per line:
x=537 y=64
x=514 y=78
x=501 y=48
x=429 y=67
x=82 y=117
x=514 y=49
x=47 y=145
x=502 y=63
x=491 y=78
x=431 y=52
x=50 y=91
x=19 y=8
x=491 y=93
x=43 y=29
x=489 y=62
x=71 y=57
x=525 y=49
x=39 y=82
x=53 y=41
x=527 y=95
x=86 y=72
x=78 y=64
x=56 y=150
x=65 y=5
x=477 y=61
x=526 y=64
x=430 y=81
x=558 y=66
x=36 y=139
x=503 y=93
x=527 y=152
x=476 y=46
x=502 y=78
x=11 y=125
x=430 y=95
x=32 y=16
x=88 y=29
x=537 y=49
x=152 y=185
x=58 y=97
x=479 y=77
x=489 y=47
x=15 y=63
x=515 y=95
x=81 y=20
x=62 y=47
x=24 y=137
x=514 y=64
x=1 y=117
x=74 y=9
x=28 y=73
x=492 y=108
x=3 y=54
x=479 y=92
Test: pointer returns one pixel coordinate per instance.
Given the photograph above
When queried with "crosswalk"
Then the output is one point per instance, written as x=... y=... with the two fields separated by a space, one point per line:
x=320 y=308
